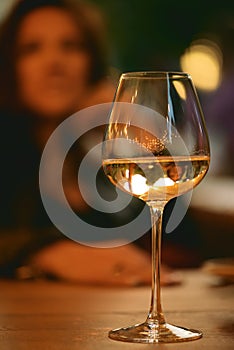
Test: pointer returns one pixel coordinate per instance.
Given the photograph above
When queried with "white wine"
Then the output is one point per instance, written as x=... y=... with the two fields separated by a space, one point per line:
x=156 y=178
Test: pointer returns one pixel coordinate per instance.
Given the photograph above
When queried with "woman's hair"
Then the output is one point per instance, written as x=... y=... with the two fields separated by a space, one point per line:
x=87 y=17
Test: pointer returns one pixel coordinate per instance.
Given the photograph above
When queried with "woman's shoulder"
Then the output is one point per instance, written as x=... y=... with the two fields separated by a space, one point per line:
x=16 y=144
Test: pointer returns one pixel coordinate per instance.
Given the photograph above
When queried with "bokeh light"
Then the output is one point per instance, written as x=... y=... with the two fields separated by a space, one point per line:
x=203 y=60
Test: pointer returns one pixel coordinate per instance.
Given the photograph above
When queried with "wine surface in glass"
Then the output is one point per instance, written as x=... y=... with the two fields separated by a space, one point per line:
x=157 y=178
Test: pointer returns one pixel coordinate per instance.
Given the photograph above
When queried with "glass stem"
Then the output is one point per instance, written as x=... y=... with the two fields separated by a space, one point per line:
x=155 y=317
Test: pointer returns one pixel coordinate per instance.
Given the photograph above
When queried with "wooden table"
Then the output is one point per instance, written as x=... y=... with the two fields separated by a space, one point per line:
x=56 y=316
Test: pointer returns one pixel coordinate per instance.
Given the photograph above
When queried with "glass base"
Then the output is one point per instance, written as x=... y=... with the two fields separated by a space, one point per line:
x=151 y=333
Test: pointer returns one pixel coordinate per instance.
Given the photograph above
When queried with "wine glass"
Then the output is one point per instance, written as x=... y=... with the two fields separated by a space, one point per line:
x=156 y=148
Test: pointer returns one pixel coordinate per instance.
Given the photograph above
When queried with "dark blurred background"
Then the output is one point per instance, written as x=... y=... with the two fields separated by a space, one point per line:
x=153 y=34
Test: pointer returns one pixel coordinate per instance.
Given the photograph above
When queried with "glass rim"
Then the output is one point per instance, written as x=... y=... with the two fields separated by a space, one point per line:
x=156 y=75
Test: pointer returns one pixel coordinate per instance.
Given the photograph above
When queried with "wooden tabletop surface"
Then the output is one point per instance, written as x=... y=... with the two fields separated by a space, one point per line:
x=45 y=315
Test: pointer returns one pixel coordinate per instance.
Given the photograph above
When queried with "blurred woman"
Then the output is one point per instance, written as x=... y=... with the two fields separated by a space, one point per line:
x=52 y=64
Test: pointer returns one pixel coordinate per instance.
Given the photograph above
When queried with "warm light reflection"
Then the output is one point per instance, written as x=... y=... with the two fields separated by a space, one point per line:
x=203 y=60
x=180 y=89
x=138 y=185
x=163 y=182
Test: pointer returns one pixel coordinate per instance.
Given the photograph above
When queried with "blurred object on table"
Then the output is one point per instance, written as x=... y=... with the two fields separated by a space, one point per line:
x=213 y=208
x=221 y=269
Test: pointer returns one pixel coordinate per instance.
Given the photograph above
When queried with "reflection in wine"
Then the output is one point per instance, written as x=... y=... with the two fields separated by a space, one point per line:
x=156 y=178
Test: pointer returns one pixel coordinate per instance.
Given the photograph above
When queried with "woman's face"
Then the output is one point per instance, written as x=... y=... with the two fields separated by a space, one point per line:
x=52 y=66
